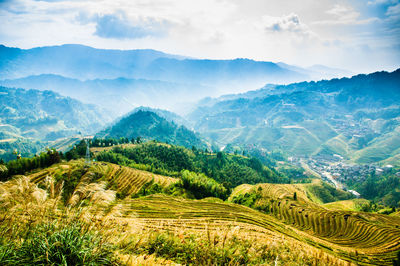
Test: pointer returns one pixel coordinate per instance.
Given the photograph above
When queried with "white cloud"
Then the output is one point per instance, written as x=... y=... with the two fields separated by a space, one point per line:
x=393 y=10
x=345 y=15
x=289 y=23
x=119 y=26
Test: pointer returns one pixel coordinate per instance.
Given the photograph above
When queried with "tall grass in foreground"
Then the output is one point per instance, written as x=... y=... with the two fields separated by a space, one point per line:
x=37 y=226
x=52 y=244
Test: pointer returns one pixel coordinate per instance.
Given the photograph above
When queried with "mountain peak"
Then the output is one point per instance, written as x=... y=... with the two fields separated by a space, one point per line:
x=150 y=126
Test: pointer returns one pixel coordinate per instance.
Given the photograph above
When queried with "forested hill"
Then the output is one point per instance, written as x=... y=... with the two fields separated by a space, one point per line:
x=150 y=126
x=45 y=115
x=356 y=117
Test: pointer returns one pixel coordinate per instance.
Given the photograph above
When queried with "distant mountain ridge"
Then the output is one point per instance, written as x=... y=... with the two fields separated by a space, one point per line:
x=356 y=117
x=119 y=95
x=83 y=62
x=138 y=77
x=75 y=61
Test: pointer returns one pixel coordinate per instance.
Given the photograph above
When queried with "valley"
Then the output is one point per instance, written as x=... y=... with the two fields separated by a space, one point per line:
x=303 y=173
x=141 y=133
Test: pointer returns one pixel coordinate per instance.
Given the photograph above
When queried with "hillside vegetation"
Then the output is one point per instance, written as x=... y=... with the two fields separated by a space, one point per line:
x=138 y=213
x=47 y=115
x=150 y=126
x=356 y=117
x=230 y=170
x=102 y=229
x=31 y=120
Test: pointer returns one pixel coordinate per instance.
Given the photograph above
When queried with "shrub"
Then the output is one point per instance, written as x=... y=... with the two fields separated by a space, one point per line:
x=192 y=250
x=202 y=186
x=48 y=245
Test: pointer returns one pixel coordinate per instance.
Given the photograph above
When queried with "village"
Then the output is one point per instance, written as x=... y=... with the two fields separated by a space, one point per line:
x=336 y=171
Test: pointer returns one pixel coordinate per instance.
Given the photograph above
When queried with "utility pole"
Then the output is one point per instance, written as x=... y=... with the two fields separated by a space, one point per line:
x=87 y=157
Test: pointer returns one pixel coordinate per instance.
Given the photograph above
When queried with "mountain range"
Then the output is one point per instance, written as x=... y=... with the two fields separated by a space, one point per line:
x=141 y=77
x=358 y=118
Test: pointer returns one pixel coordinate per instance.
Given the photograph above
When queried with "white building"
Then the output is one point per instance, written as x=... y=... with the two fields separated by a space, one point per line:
x=355 y=193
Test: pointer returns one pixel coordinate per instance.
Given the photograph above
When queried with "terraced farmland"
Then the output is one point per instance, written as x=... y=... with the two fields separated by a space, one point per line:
x=346 y=205
x=131 y=180
x=363 y=237
x=358 y=237
x=125 y=179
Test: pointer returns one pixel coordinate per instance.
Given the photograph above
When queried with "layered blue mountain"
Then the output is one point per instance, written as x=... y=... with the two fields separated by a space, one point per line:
x=75 y=61
x=119 y=95
x=131 y=78
x=358 y=118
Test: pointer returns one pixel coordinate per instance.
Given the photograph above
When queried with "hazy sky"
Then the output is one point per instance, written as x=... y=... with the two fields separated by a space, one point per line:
x=358 y=35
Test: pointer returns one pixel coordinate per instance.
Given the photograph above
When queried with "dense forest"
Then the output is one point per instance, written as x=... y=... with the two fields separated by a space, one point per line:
x=382 y=189
x=228 y=169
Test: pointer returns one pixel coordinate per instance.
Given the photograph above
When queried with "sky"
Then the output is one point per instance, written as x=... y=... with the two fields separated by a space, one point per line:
x=357 y=35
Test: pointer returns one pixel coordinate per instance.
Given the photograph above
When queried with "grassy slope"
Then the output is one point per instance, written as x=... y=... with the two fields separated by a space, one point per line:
x=358 y=237
x=382 y=148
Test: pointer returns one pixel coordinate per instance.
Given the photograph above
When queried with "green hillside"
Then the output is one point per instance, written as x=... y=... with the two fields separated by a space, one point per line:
x=46 y=115
x=150 y=126
x=31 y=120
x=356 y=117
x=110 y=201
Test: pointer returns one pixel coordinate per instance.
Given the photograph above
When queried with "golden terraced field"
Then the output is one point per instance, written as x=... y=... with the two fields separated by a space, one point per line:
x=365 y=238
x=355 y=237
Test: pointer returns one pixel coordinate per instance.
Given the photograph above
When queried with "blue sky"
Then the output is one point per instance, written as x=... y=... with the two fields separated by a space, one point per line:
x=358 y=35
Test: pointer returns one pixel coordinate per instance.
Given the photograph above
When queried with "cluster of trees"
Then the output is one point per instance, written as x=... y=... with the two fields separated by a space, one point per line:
x=227 y=169
x=76 y=152
x=79 y=149
x=384 y=189
x=202 y=186
x=106 y=142
x=190 y=185
x=22 y=165
x=328 y=193
x=236 y=170
x=296 y=173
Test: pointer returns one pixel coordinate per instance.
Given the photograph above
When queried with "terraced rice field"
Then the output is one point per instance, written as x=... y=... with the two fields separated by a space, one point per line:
x=358 y=237
x=125 y=179
x=131 y=180
x=363 y=237
x=346 y=205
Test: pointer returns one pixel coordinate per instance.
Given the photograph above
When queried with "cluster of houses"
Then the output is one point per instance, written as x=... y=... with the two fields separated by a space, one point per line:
x=351 y=128
x=334 y=170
